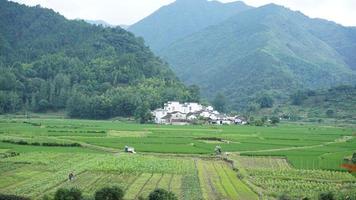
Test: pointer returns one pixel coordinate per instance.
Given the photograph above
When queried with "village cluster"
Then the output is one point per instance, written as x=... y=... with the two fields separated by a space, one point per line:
x=176 y=113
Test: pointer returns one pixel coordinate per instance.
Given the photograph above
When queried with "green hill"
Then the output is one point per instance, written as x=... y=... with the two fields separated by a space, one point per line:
x=182 y=18
x=50 y=63
x=267 y=50
x=336 y=103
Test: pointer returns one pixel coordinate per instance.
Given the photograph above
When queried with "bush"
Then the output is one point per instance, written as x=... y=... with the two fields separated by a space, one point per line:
x=275 y=120
x=12 y=197
x=326 y=196
x=259 y=123
x=109 y=193
x=284 y=197
x=161 y=194
x=68 y=194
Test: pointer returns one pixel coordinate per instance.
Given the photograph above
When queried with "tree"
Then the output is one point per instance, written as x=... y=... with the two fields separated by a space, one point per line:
x=68 y=194
x=275 y=120
x=264 y=119
x=330 y=113
x=259 y=123
x=326 y=196
x=161 y=194
x=42 y=105
x=220 y=102
x=266 y=102
x=194 y=93
x=109 y=193
x=298 y=98
x=77 y=105
x=143 y=113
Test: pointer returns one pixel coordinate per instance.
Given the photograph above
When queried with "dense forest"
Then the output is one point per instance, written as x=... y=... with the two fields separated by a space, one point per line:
x=50 y=63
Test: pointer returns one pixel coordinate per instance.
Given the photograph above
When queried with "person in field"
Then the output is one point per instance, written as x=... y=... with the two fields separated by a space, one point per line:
x=71 y=176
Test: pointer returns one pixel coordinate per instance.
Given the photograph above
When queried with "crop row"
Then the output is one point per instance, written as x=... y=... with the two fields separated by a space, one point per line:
x=317 y=175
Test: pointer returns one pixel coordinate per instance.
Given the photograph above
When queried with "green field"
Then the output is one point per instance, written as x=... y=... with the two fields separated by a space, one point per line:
x=177 y=158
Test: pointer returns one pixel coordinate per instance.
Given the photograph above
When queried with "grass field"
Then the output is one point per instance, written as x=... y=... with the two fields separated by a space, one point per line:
x=178 y=158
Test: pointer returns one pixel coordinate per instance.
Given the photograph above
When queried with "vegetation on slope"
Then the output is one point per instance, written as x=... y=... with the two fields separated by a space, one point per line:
x=182 y=18
x=50 y=63
x=337 y=102
x=268 y=50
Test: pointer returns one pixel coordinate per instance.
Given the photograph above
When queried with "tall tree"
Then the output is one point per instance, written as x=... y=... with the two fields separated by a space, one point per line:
x=220 y=102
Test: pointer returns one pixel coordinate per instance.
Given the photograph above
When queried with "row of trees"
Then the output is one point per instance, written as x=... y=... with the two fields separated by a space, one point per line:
x=110 y=193
x=106 y=193
x=264 y=121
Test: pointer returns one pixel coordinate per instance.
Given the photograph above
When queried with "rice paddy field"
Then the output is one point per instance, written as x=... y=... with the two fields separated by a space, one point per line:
x=301 y=160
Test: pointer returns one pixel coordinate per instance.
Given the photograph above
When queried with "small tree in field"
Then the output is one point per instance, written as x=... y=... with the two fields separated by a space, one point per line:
x=68 y=194
x=275 y=120
x=161 y=194
x=109 y=193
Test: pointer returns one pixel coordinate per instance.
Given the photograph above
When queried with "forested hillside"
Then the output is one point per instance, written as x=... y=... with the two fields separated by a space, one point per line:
x=182 y=18
x=50 y=63
x=337 y=102
x=268 y=51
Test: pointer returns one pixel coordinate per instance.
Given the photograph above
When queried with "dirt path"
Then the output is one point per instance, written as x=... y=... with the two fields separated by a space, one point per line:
x=339 y=140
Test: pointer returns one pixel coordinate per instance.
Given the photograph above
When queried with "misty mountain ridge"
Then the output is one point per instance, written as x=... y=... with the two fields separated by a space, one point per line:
x=182 y=18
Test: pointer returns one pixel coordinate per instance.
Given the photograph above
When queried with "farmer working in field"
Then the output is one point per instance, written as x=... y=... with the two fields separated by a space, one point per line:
x=71 y=176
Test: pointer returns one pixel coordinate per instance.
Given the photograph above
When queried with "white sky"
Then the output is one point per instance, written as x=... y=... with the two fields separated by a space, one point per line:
x=127 y=12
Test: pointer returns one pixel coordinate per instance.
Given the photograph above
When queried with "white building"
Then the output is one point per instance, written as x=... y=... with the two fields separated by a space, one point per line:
x=174 y=106
x=177 y=113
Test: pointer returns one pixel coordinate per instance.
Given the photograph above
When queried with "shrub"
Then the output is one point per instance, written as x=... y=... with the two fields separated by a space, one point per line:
x=326 y=196
x=68 y=194
x=161 y=194
x=12 y=197
x=275 y=120
x=109 y=193
x=284 y=197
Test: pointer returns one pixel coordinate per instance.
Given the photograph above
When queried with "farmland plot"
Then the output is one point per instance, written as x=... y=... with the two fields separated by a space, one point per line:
x=278 y=177
x=38 y=174
x=218 y=181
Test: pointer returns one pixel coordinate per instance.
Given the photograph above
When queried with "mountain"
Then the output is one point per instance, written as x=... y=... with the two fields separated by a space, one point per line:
x=269 y=50
x=50 y=63
x=182 y=18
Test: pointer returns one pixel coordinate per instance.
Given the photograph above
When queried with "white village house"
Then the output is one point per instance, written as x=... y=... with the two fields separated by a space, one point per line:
x=177 y=113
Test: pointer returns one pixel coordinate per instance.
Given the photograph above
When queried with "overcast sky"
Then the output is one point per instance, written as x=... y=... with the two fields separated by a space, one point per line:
x=127 y=12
